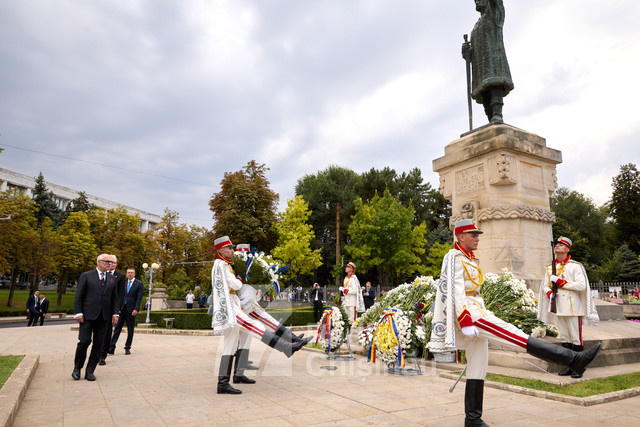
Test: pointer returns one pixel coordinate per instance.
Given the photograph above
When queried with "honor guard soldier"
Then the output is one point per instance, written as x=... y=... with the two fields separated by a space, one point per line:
x=462 y=321
x=353 y=300
x=574 y=302
x=229 y=320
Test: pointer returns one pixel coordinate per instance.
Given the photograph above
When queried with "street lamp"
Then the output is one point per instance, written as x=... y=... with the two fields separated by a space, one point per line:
x=151 y=269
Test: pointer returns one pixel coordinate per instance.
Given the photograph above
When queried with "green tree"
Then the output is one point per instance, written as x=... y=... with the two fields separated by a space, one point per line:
x=624 y=206
x=436 y=255
x=77 y=249
x=117 y=232
x=382 y=237
x=47 y=207
x=411 y=190
x=41 y=245
x=168 y=243
x=294 y=240
x=578 y=218
x=21 y=211
x=627 y=265
x=323 y=191
x=178 y=284
x=80 y=204
x=245 y=207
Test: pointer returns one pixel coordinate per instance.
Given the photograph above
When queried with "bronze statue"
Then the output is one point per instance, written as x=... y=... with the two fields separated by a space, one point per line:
x=491 y=78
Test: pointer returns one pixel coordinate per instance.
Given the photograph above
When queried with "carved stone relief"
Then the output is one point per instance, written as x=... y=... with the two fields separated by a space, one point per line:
x=470 y=179
x=552 y=180
x=445 y=185
x=509 y=257
x=468 y=210
x=516 y=212
x=502 y=170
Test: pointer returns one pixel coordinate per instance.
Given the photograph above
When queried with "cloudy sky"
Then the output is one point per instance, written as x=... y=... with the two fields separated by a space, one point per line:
x=149 y=102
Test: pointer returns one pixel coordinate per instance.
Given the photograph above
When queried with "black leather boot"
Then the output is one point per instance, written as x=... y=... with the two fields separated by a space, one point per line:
x=577 y=361
x=242 y=355
x=224 y=374
x=280 y=344
x=289 y=336
x=566 y=371
x=473 y=396
x=577 y=348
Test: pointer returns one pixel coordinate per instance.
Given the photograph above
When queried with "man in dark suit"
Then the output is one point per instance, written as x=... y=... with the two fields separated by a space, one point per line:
x=132 y=299
x=33 y=309
x=316 y=297
x=44 y=307
x=369 y=296
x=96 y=305
x=121 y=281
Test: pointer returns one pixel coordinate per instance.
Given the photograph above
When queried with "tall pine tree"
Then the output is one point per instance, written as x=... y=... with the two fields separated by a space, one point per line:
x=47 y=207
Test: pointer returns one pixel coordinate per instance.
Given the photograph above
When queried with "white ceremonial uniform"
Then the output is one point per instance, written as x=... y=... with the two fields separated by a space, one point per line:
x=574 y=302
x=353 y=300
x=228 y=317
x=252 y=309
x=459 y=304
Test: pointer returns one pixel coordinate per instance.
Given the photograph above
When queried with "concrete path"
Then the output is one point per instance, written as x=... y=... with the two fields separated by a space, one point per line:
x=171 y=380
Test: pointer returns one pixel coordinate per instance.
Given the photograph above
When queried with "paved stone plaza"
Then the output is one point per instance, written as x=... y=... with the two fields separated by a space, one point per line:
x=171 y=380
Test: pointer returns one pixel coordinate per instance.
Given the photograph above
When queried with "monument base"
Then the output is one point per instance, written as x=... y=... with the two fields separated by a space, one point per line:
x=501 y=177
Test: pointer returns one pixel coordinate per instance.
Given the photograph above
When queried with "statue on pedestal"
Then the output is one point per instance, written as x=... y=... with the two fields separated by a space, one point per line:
x=491 y=78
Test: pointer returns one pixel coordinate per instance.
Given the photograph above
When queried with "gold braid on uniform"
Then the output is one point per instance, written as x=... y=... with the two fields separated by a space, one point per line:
x=477 y=280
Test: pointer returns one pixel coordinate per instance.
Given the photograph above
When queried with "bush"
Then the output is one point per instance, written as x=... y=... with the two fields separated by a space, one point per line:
x=199 y=319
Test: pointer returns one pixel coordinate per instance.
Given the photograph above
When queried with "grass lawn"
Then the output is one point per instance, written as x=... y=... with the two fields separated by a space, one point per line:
x=19 y=304
x=579 y=389
x=7 y=365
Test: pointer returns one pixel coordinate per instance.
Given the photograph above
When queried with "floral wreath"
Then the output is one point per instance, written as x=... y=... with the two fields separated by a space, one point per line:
x=391 y=337
x=332 y=329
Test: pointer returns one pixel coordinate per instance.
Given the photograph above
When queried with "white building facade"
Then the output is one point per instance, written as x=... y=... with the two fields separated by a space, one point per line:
x=63 y=195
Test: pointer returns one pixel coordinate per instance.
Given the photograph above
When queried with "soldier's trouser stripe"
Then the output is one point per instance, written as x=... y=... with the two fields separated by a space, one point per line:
x=502 y=333
x=248 y=326
x=263 y=320
x=580 y=330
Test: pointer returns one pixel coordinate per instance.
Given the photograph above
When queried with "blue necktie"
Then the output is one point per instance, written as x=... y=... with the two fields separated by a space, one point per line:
x=128 y=287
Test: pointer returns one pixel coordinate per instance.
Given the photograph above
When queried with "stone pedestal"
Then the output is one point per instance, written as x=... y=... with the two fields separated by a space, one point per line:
x=158 y=299
x=501 y=177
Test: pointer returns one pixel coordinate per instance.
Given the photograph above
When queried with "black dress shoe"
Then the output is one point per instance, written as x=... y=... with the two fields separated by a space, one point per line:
x=102 y=361
x=127 y=352
x=241 y=379
x=75 y=374
x=111 y=351
x=89 y=376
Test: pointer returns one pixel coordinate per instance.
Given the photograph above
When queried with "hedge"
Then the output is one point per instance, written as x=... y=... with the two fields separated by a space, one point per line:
x=199 y=319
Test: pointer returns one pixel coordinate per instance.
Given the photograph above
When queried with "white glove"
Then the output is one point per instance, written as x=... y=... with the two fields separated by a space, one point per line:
x=470 y=331
x=553 y=278
x=245 y=303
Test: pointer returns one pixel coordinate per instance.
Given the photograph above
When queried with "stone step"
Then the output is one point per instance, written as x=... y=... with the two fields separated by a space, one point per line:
x=609 y=311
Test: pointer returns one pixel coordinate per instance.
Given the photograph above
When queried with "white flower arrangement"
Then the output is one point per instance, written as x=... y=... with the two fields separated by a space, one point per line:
x=332 y=329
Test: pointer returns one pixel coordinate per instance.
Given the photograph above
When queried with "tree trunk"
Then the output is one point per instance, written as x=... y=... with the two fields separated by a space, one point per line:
x=62 y=286
x=12 y=287
x=34 y=282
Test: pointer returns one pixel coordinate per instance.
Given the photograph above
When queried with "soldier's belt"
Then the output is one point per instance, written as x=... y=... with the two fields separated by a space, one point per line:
x=472 y=293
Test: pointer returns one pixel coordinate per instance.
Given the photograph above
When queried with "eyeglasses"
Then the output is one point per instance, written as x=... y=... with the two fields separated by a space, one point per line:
x=107 y=262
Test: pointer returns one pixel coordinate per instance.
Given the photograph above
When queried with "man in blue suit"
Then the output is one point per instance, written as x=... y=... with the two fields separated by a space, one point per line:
x=132 y=299
x=96 y=304
x=33 y=309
